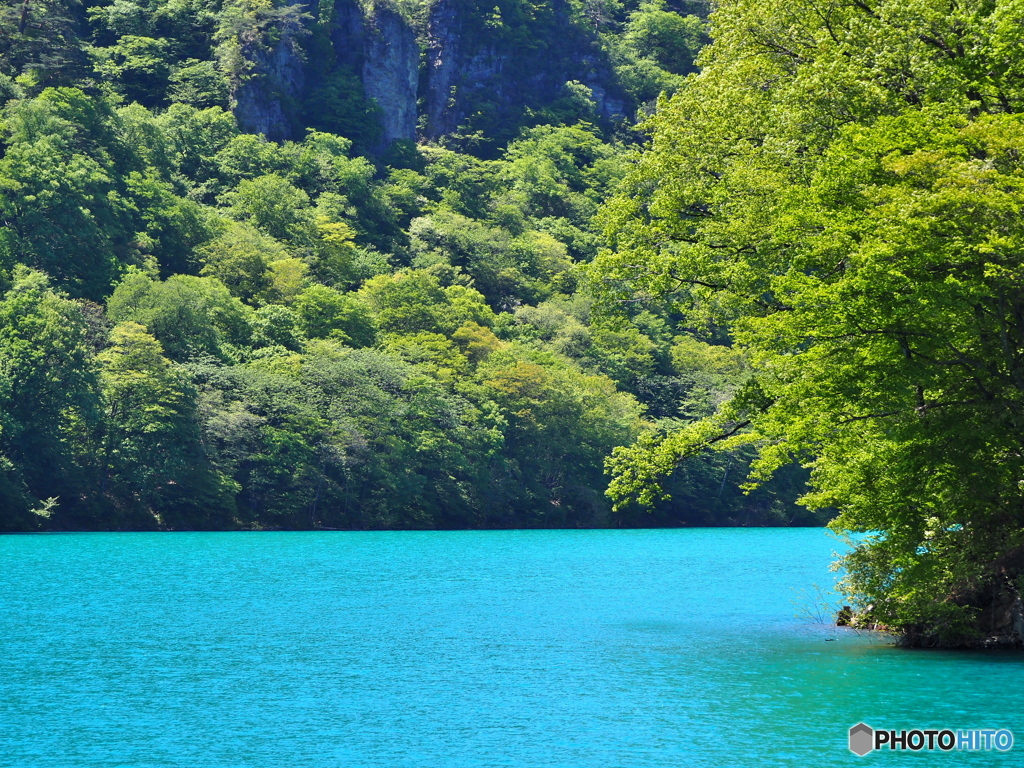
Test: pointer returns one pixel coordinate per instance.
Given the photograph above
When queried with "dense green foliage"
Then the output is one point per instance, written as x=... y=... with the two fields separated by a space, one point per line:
x=203 y=328
x=840 y=191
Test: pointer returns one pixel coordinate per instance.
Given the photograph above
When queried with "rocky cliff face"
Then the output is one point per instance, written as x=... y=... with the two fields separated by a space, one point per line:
x=390 y=72
x=265 y=100
x=445 y=59
x=472 y=70
x=473 y=67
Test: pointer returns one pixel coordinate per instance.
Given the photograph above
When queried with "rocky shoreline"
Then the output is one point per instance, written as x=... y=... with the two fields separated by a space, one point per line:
x=998 y=626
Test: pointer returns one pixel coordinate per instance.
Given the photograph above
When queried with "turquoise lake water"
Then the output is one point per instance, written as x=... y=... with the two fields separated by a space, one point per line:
x=494 y=648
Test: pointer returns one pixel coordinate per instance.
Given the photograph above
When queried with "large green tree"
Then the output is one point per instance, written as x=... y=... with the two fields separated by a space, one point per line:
x=840 y=192
x=48 y=398
x=153 y=464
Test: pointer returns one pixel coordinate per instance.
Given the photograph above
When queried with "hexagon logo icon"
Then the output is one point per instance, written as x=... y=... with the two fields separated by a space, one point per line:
x=862 y=739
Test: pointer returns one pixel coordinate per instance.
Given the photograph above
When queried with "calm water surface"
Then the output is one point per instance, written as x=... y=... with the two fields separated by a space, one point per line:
x=511 y=648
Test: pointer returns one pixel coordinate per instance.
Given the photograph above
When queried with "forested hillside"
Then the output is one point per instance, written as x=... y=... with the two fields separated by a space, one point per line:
x=377 y=316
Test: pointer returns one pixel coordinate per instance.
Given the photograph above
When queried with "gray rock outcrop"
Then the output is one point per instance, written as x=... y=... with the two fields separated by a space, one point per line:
x=469 y=66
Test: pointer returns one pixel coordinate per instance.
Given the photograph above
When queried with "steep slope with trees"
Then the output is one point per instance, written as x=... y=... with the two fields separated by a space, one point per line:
x=204 y=327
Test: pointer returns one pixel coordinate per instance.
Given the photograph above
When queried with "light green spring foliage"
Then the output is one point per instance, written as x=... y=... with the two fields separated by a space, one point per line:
x=292 y=335
x=151 y=456
x=241 y=278
x=841 y=190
